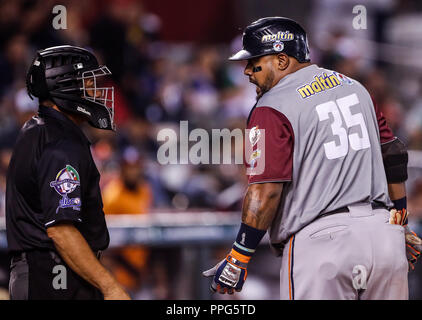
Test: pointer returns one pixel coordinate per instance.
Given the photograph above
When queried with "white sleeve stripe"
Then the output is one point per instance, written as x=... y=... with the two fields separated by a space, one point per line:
x=52 y=221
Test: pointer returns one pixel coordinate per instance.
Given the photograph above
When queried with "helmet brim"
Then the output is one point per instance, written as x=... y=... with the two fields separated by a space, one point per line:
x=245 y=55
x=241 y=55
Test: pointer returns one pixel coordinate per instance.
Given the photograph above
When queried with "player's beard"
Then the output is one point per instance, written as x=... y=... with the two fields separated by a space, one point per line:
x=266 y=86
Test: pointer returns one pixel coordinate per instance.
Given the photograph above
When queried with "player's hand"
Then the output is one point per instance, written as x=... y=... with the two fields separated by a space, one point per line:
x=413 y=242
x=413 y=246
x=229 y=275
x=398 y=217
x=116 y=293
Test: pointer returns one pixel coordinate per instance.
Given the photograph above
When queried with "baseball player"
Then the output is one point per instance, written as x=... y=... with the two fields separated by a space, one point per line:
x=332 y=169
x=54 y=219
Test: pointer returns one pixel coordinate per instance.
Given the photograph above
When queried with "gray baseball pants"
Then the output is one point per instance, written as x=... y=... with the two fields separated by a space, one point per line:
x=353 y=255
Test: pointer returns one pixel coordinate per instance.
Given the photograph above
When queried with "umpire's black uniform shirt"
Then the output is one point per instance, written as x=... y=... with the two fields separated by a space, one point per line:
x=52 y=178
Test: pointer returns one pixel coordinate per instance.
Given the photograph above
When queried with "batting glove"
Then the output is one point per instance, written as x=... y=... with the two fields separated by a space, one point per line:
x=413 y=242
x=229 y=275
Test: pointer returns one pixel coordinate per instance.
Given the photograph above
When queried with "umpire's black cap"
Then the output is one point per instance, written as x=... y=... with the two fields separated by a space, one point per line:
x=273 y=35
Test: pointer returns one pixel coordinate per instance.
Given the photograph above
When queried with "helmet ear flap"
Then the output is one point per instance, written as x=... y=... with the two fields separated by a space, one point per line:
x=36 y=83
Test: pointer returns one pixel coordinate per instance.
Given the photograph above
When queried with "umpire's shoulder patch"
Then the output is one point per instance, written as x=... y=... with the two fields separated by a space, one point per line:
x=66 y=181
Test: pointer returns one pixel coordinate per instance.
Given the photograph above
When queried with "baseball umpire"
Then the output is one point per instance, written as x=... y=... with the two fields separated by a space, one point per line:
x=55 y=224
x=332 y=171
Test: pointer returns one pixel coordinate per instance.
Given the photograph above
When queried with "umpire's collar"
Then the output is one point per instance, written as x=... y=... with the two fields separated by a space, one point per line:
x=68 y=124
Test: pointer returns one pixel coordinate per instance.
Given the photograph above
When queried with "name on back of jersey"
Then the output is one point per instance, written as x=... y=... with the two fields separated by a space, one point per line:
x=323 y=82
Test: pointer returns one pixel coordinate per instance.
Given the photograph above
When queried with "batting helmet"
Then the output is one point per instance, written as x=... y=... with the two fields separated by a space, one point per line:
x=274 y=35
x=71 y=78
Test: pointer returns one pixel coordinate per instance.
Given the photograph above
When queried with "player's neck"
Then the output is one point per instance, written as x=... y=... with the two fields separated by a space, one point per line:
x=301 y=66
x=292 y=68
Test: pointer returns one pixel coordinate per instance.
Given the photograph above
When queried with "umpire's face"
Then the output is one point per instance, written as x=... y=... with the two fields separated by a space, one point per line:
x=92 y=90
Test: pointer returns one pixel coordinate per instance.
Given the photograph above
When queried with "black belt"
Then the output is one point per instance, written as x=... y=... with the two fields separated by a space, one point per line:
x=374 y=205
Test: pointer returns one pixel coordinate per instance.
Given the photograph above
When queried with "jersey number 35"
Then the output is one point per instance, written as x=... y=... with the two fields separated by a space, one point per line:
x=357 y=142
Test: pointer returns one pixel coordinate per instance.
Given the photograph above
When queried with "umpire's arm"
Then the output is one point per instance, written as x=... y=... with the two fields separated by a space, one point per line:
x=76 y=252
x=60 y=159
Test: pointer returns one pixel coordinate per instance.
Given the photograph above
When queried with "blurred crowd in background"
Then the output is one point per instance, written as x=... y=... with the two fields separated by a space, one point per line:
x=164 y=73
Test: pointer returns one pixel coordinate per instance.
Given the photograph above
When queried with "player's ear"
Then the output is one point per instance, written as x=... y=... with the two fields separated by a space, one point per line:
x=283 y=61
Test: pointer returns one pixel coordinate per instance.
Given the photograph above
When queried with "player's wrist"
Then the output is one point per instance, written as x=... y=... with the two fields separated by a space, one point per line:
x=247 y=240
x=238 y=258
x=400 y=204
